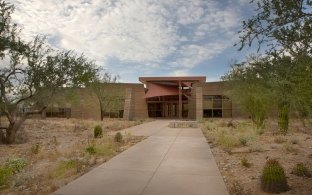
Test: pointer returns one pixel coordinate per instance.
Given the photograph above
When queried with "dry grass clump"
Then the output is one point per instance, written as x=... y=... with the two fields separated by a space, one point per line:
x=64 y=168
x=280 y=139
x=290 y=148
x=255 y=148
x=229 y=135
x=119 y=124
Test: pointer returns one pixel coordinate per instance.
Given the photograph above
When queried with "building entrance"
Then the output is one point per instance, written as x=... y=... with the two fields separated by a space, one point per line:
x=171 y=110
x=166 y=107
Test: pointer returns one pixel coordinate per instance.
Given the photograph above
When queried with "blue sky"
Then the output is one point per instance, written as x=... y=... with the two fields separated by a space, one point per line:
x=135 y=38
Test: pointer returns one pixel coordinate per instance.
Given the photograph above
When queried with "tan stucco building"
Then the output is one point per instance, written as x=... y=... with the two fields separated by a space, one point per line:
x=189 y=97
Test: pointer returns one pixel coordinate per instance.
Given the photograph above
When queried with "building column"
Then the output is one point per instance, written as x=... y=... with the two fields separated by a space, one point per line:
x=129 y=105
x=180 y=101
x=199 y=103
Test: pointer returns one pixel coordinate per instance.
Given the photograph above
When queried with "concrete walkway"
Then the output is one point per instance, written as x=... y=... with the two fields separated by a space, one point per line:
x=170 y=161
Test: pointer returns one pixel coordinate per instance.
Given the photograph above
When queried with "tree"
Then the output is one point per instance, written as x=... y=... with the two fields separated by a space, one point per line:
x=109 y=95
x=284 y=28
x=282 y=25
x=249 y=90
x=303 y=80
x=32 y=72
x=263 y=82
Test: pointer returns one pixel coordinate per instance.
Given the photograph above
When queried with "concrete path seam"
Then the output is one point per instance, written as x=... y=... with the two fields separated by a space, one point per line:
x=149 y=181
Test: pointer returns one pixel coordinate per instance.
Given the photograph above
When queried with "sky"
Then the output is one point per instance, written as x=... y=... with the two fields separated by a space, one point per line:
x=133 y=38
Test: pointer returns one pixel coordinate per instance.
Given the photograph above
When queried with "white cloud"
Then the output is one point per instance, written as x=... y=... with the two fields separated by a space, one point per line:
x=159 y=35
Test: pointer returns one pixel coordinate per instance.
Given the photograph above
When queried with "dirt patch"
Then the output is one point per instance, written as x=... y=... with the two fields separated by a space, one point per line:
x=59 y=150
x=241 y=152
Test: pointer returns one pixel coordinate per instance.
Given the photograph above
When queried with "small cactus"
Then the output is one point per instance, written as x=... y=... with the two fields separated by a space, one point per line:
x=98 y=132
x=273 y=179
x=301 y=170
x=118 y=137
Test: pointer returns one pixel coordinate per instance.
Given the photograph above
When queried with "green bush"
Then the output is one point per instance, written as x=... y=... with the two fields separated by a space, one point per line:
x=118 y=137
x=243 y=140
x=16 y=165
x=35 y=148
x=245 y=163
x=90 y=149
x=5 y=173
x=98 y=131
x=11 y=166
x=301 y=170
x=273 y=178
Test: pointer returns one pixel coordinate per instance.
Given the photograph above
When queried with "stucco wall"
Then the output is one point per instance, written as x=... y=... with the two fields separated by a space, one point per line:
x=85 y=104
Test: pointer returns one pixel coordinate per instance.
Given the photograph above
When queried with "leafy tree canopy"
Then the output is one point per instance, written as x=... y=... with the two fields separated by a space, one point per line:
x=33 y=71
x=281 y=25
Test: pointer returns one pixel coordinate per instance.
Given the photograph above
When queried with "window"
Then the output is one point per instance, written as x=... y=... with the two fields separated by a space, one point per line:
x=216 y=106
x=58 y=112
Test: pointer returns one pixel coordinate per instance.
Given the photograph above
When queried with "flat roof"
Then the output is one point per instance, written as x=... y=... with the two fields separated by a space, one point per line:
x=200 y=79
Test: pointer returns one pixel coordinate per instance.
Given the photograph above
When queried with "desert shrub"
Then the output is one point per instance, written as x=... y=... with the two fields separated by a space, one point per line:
x=243 y=140
x=222 y=124
x=301 y=170
x=226 y=141
x=98 y=131
x=128 y=136
x=35 y=148
x=294 y=141
x=242 y=126
x=279 y=139
x=11 y=167
x=16 y=165
x=5 y=174
x=231 y=124
x=245 y=163
x=118 y=137
x=208 y=127
x=290 y=148
x=64 y=168
x=255 y=148
x=260 y=131
x=90 y=149
x=211 y=126
x=105 y=149
x=273 y=178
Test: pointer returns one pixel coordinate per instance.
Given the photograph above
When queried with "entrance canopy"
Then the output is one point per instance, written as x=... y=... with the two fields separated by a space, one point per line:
x=164 y=86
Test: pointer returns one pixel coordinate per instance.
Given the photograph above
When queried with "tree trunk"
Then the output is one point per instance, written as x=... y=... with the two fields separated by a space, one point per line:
x=102 y=113
x=12 y=129
x=283 y=117
x=2 y=136
x=11 y=134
